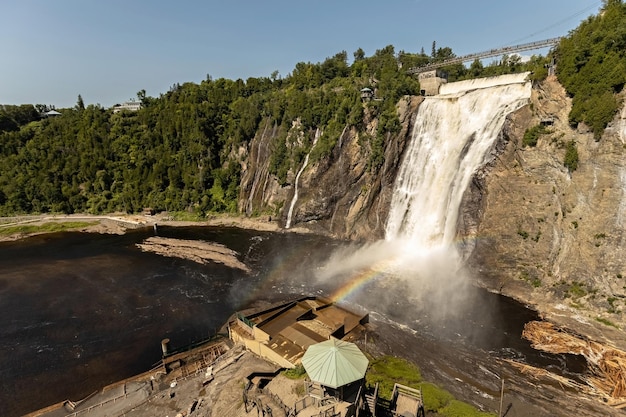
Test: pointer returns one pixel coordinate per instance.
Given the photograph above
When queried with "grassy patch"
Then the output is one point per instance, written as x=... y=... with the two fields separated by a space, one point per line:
x=460 y=409
x=185 y=216
x=606 y=322
x=295 y=373
x=388 y=370
x=435 y=398
x=49 y=227
x=576 y=290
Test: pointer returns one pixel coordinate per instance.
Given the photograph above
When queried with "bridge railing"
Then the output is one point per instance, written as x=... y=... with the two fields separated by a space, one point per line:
x=487 y=54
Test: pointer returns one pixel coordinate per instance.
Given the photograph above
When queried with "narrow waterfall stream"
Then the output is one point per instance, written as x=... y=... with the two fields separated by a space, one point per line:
x=294 y=200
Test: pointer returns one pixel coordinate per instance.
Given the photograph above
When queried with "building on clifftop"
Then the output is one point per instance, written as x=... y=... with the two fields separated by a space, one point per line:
x=430 y=81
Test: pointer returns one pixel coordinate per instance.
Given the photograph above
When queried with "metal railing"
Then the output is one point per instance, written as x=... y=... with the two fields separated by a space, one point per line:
x=486 y=54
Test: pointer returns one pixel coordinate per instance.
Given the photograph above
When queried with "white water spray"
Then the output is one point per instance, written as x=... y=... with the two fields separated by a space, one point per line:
x=295 y=191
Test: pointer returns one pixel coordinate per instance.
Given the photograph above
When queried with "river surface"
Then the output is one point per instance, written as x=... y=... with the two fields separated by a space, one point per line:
x=80 y=311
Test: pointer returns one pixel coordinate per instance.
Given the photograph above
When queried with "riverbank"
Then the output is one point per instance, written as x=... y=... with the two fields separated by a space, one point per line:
x=20 y=227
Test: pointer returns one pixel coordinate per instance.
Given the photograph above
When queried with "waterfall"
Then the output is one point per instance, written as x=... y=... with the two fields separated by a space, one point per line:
x=257 y=172
x=622 y=125
x=452 y=137
x=295 y=192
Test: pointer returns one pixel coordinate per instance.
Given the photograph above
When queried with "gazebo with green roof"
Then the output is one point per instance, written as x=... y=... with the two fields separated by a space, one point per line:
x=335 y=364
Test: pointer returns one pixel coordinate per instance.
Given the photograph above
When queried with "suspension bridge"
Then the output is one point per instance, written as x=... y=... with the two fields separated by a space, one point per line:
x=487 y=54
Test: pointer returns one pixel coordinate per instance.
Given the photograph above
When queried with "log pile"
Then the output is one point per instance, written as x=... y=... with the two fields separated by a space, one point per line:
x=539 y=373
x=607 y=365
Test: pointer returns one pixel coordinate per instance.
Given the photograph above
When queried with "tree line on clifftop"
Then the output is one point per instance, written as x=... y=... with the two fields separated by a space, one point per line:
x=592 y=66
x=182 y=150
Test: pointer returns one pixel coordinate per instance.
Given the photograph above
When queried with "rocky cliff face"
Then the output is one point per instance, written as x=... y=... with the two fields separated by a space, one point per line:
x=542 y=234
x=337 y=195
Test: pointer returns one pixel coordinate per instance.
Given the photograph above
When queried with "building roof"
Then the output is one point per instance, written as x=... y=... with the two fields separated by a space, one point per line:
x=53 y=113
x=334 y=363
x=288 y=329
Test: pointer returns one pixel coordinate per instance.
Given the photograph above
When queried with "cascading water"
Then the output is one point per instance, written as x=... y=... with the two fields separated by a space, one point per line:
x=295 y=191
x=452 y=137
x=453 y=134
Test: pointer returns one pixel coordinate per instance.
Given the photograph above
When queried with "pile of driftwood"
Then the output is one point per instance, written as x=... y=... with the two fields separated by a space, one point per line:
x=607 y=365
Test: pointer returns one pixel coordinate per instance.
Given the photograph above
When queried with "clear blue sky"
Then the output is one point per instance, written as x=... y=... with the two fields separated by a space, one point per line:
x=53 y=50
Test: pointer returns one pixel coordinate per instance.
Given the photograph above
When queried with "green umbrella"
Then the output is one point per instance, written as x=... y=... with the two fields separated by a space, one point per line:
x=334 y=363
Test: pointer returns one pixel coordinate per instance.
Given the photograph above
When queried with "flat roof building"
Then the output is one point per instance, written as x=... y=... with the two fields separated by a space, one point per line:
x=127 y=105
x=282 y=333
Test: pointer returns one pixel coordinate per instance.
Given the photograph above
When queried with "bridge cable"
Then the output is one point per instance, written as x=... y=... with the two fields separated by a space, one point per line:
x=560 y=22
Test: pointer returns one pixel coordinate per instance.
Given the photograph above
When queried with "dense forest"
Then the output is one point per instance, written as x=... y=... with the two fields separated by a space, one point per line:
x=182 y=151
x=592 y=66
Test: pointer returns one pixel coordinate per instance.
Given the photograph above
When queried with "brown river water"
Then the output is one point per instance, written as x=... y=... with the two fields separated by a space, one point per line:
x=80 y=311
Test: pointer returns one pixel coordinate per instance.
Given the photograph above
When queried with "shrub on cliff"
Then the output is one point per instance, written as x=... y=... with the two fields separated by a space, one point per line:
x=571 y=156
x=531 y=136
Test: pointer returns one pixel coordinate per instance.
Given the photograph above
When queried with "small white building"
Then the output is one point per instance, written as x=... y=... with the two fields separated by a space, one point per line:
x=51 y=113
x=367 y=94
x=127 y=105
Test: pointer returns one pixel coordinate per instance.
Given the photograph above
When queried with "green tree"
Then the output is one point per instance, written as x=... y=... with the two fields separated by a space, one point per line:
x=592 y=66
x=571 y=156
x=80 y=105
x=359 y=55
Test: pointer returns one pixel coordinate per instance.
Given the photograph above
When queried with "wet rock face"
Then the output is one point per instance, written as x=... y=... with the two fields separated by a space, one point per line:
x=542 y=234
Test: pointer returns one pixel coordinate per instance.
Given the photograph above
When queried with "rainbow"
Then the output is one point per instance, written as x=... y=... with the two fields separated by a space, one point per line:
x=361 y=279
x=358 y=280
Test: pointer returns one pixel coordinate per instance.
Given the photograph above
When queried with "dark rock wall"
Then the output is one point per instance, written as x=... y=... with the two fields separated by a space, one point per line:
x=338 y=195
